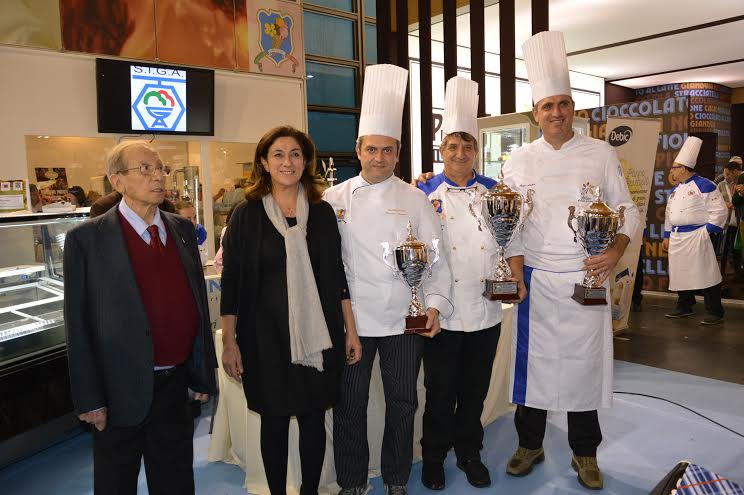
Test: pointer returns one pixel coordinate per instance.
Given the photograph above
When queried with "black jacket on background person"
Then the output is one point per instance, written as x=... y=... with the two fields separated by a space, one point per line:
x=109 y=346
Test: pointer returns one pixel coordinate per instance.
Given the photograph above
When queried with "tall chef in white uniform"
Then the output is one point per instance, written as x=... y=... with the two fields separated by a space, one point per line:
x=458 y=362
x=562 y=353
x=695 y=209
x=372 y=208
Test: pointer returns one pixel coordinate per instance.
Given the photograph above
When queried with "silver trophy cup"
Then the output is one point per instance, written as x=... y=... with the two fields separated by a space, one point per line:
x=501 y=211
x=596 y=228
x=412 y=261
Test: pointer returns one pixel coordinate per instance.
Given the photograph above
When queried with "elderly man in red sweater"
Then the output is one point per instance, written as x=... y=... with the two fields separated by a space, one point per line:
x=138 y=332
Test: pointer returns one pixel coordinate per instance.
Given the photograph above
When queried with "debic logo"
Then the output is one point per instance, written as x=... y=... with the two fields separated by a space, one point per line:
x=158 y=99
x=620 y=135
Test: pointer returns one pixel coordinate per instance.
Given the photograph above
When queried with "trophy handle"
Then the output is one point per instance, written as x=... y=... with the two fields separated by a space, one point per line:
x=530 y=203
x=621 y=215
x=386 y=253
x=435 y=248
x=471 y=207
x=571 y=216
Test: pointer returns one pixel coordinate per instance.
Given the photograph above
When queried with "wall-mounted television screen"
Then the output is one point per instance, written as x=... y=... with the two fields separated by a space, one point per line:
x=144 y=98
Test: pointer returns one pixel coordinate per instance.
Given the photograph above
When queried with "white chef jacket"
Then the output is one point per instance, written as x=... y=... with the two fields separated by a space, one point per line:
x=368 y=215
x=471 y=253
x=558 y=178
x=694 y=209
x=562 y=355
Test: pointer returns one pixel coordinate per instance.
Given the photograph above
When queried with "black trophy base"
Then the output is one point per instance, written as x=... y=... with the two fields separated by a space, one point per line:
x=416 y=325
x=500 y=291
x=589 y=296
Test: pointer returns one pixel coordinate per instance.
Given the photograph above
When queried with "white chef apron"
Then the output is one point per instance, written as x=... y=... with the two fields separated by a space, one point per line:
x=692 y=260
x=562 y=357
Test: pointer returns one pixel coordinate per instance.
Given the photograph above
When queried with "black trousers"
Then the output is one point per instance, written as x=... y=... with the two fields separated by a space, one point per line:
x=638 y=283
x=712 y=295
x=400 y=360
x=728 y=249
x=164 y=439
x=584 y=434
x=457 y=373
x=274 y=450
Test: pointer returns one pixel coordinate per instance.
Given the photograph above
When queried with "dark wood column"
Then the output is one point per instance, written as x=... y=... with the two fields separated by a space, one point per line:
x=401 y=52
x=450 y=39
x=427 y=120
x=507 y=55
x=478 y=51
x=384 y=31
x=540 y=16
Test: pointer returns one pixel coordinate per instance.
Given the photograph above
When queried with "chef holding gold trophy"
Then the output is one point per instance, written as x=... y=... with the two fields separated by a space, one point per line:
x=562 y=353
x=375 y=208
x=479 y=219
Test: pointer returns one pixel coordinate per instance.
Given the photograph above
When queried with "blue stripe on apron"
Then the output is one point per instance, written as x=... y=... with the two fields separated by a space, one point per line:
x=519 y=393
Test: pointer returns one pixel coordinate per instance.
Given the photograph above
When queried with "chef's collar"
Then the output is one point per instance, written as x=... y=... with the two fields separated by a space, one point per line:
x=565 y=146
x=363 y=182
x=470 y=183
x=692 y=177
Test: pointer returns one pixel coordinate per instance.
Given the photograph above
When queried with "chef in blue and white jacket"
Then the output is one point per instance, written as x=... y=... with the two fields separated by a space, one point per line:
x=695 y=209
x=458 y=361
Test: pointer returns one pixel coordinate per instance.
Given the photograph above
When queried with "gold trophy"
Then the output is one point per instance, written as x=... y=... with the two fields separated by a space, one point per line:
x=413 y=262
x=500 y=210
x=597 y=226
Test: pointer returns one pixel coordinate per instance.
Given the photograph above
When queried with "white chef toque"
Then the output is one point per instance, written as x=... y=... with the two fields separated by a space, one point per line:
x=687 y=156
x=383 y=100
x=736 y=159
x=547 y=66
x=461 y=107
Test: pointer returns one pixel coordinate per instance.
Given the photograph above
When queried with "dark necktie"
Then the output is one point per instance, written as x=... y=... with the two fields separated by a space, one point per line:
x=155 y=241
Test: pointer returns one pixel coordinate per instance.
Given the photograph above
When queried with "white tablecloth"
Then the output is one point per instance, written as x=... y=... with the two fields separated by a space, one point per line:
x=237 y=431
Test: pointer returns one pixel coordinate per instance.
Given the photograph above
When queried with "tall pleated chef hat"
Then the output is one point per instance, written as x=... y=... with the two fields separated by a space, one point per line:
x=461 y=107
x=382 y=101
x=687 y=156
x=547 y=65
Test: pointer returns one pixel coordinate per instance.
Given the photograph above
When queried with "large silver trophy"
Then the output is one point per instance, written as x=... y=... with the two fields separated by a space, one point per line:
x=413 y=262
x=596 y=228
x=501 y=211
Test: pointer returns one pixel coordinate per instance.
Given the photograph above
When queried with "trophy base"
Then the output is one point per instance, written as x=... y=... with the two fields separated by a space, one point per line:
x=589 y=296
x=416 y=325
x=500 y=291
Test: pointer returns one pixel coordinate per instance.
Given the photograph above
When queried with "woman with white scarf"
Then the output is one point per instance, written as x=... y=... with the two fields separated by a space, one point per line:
x=285 y=303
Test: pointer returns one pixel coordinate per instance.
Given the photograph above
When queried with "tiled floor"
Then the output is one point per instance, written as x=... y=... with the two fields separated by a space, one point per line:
x=683 y=344
x=643 y=437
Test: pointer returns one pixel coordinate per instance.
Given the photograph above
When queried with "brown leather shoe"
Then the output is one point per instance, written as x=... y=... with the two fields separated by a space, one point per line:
x=522 y=461
x=589 y=474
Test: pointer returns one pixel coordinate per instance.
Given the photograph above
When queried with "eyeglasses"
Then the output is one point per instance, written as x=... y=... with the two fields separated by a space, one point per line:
x=149 y=169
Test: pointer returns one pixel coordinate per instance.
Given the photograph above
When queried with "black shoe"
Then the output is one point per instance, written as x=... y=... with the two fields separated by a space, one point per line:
x=432 y=475
x=679 y=313
x=476 y=472
x=711 y=320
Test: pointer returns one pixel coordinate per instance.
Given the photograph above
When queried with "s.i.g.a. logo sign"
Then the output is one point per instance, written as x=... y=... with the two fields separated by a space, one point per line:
x=158 y=99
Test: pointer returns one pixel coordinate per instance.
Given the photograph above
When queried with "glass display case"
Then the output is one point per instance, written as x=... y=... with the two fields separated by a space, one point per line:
x=498 y=143
x=502 y=134
x=35 y=407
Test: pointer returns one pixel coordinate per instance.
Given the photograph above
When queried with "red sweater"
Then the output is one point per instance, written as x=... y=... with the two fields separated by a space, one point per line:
x=166 y=295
